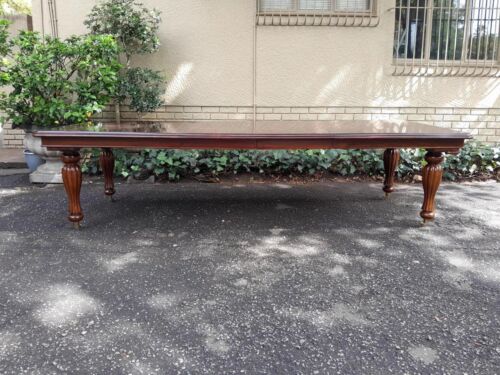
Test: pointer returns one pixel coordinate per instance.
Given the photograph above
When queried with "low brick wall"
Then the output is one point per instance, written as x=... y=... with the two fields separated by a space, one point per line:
x=12 y=138
x=483 y=123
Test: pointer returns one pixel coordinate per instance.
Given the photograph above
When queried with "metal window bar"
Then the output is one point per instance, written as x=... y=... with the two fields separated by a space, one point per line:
x=343 y=13
x=447 y=38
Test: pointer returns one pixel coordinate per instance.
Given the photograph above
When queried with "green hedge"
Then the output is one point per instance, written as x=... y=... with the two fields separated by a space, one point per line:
x=474 y=160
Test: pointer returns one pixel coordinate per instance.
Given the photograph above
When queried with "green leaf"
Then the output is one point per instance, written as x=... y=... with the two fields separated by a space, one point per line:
x=181 y=163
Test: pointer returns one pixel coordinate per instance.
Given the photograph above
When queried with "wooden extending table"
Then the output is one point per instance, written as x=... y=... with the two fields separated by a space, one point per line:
x=262 y=135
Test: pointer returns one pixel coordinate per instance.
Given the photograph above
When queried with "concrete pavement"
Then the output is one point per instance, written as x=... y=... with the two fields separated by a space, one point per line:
x=324 y=278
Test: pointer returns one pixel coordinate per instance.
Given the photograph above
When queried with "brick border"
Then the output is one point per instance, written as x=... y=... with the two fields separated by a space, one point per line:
x=12 y=138
x=483 y=123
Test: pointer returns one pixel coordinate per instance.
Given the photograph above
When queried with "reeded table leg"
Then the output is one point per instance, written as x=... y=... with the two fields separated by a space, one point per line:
x=72 y=178
x=391 y=162
x=432 y=176
x=107 y=160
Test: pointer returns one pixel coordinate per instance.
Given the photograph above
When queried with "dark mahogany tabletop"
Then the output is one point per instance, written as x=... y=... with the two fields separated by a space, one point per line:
x=260 y=135
x=276 y=128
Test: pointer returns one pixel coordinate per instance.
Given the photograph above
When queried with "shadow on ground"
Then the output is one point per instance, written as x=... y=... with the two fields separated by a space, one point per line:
x=191 y=278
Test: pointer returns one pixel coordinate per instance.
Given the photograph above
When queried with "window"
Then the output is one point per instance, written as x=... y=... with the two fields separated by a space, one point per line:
x=317 y=12
x=447 y=37
x=315 y=5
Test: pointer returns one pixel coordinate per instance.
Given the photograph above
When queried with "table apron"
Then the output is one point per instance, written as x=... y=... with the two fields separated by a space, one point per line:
x=451 y=145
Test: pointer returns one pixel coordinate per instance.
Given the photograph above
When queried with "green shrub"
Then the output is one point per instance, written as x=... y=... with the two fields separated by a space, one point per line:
x=8 y=7
x=473 y=160
x=135 y=28
x=143 y=88
x=52 y=82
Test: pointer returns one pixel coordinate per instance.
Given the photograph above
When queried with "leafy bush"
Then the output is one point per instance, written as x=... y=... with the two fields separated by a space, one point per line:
x=53 y=82
x=144 y=87
x=135 y=28
x=473 y=160
x=15 y=7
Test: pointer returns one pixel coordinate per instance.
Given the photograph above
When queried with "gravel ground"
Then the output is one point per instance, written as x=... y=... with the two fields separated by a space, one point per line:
x=324 y=278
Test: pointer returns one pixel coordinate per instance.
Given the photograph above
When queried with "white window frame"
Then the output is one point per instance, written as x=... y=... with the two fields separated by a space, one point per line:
x=293 y=16
x=296 y=11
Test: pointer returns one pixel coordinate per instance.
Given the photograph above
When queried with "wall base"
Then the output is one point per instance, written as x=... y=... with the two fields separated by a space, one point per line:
x=482 y=123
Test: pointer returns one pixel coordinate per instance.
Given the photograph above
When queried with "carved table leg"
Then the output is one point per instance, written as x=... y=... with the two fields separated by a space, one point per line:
x=72 y=178
x=391 y=161
x=107 y=160
x=431 y=177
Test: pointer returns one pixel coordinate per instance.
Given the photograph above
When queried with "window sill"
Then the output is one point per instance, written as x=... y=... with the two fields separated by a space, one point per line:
x=343 y=19
x=435 y=68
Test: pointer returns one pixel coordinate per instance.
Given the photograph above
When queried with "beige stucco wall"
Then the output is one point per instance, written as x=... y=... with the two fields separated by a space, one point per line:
x=207 y=47
x=208 y=55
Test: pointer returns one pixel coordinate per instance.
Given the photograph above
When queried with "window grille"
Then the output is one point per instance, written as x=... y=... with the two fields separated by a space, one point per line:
x=357 y=13
x=447 y=37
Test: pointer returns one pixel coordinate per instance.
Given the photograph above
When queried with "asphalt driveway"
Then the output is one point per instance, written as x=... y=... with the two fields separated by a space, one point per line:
x=322 y=278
